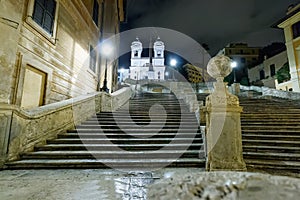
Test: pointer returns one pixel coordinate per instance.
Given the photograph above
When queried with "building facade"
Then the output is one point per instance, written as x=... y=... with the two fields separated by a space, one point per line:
x=195 y=74
x=244 y=56
x=49 y=48
x=264 y=74
x=147 y=68
x=291 y=26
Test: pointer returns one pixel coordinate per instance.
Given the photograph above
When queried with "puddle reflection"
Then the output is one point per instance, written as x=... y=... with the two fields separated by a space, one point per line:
x=134 y=185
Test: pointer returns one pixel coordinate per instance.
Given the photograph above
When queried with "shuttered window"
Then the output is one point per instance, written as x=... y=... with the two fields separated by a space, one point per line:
x=96 y=12
x=296 y=30
x=44 y=13
x=93 y=57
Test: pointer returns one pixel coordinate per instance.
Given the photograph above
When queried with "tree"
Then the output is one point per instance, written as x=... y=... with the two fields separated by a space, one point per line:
x=283 y=74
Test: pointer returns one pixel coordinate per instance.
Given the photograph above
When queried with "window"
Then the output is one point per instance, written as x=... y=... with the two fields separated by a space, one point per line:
x=44 y=13
x=93 y=57
x=158 y=53
x=262 y=74
x=96 y=12
x=272 y=70
x=136 y=54
x=296 y=30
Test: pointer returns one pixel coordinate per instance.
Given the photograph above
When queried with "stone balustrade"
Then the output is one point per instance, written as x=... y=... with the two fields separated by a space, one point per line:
x=22 y=129
x=269 y=92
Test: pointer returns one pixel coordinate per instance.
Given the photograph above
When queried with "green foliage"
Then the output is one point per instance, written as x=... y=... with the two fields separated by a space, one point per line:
x=283 y=74
x=244 y=81
x=229 y=79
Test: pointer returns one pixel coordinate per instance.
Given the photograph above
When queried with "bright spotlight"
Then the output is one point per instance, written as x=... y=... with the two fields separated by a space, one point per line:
x=173 y=62
x=233 y=64
x=106 y=49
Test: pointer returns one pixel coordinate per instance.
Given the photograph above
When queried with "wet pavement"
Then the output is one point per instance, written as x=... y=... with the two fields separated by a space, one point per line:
x=89 y=184
x=108 y=184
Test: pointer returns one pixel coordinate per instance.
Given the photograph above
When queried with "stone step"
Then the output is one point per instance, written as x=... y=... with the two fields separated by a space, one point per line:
x=275 y=127
x=273 y=165
x=140 y=164
x=144 y=122
x=270 y=132
x=143 y=114
x=272 y=156
x=271 y=137
x=270 y=123
x=113 y=154
x=271 y=143
x=162 y=124
x=115 y=147
x=274 y=149
x=87 y=135
x=124 y=140
x=270 y=115
x=98 y=129
x=145 y=119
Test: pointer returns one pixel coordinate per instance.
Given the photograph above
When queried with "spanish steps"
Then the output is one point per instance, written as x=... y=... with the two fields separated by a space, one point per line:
x=270 y=133
x=152 y=131
x=139 y=139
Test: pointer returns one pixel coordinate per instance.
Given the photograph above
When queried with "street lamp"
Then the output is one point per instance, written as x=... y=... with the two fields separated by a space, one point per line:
x=122 y=70
x=234 y=65
x=106 y=50
x=167 y=74
x=173 y=63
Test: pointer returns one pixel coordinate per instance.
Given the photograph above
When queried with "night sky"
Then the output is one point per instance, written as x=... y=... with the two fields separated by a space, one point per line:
x=213 y=22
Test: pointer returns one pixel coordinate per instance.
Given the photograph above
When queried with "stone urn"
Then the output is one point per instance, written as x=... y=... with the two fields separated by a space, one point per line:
x=219 y=67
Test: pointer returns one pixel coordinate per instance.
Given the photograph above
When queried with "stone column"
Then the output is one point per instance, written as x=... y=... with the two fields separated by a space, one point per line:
x=236 y=88
x=223 y=135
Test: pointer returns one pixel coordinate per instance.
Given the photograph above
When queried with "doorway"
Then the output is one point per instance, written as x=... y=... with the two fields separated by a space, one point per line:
x=34 y=88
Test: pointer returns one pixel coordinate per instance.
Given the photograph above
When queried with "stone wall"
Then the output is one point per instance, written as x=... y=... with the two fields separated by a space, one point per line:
x=64 y=55
x=21 y=129
x=269 y=92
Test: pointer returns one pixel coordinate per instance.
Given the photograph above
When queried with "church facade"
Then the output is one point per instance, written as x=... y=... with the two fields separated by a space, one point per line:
x=147 y=68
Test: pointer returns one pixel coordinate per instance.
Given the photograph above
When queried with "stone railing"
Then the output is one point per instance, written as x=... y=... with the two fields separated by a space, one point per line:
x=21 y=129
x=270 y=92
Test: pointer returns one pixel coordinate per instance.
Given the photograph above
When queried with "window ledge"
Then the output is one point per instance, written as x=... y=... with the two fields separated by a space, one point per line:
x=92 y=73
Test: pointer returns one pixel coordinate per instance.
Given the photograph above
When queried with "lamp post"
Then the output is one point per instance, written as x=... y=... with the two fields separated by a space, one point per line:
x=122 y=70
x=173 y=63
x=106 y=50
x=167 y=75
x=234 y=65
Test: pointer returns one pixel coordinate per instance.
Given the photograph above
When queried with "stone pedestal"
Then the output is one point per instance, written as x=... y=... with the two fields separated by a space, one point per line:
x=5 y=125
x=223 y=135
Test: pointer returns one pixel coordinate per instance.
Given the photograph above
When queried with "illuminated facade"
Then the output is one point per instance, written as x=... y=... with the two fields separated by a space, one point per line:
x=245 y=57
x=49 y=49
x=147 y=68
x=291 y=26
x=195 y=74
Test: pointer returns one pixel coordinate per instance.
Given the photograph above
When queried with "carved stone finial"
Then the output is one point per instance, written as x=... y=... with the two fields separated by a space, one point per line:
x=219 y=67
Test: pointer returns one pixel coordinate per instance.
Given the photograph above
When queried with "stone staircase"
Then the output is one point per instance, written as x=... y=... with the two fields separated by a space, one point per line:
x=271 y=134
x=151 y=131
